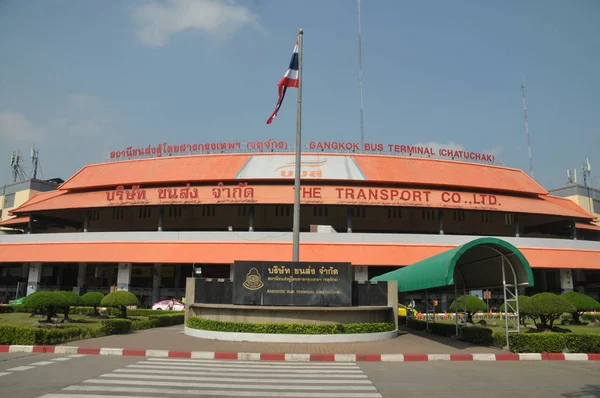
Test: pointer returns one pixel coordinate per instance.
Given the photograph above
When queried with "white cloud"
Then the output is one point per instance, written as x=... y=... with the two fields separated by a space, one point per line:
x=157 y=21
x=16 y=127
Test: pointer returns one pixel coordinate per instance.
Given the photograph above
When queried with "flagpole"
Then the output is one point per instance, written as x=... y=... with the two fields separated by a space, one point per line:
x=297 y=171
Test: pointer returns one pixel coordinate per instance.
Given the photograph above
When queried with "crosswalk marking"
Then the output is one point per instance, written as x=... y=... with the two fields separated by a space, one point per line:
x=4 y=373
x=19 y=368
x=62 y=359
x=43 y=363
x=222 y=378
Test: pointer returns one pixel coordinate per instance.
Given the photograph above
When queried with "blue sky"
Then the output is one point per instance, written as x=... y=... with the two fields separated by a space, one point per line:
x=81 y=78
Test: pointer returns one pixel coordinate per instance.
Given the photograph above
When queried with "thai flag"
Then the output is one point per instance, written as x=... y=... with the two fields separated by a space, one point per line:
x=290 y=79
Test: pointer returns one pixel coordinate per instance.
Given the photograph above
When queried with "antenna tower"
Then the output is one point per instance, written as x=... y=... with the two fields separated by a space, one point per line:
x=15 y=165
x=586 y=170
x=35 y=155
x=360 y=81
x=524 y=91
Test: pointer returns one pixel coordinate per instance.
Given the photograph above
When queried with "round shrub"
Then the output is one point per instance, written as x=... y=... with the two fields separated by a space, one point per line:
x=73 y=299
x=582 y=303
x=548 y=307
x=470 y=304
x=120 y=299
x=46 y=303
x=93 y=299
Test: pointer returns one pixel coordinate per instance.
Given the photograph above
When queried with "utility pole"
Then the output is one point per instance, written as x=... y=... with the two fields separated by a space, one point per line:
x=524 y=92
x=360 y=82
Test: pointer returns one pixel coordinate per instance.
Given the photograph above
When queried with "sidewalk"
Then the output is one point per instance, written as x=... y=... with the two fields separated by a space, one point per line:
x=173 y=339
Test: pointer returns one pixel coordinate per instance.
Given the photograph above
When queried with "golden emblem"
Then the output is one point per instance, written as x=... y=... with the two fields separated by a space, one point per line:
x=253 y=281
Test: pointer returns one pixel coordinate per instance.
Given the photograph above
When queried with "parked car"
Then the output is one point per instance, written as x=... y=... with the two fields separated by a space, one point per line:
x=164 y=305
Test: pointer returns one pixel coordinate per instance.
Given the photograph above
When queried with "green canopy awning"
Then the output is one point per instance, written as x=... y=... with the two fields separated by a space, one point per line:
x=479 y=264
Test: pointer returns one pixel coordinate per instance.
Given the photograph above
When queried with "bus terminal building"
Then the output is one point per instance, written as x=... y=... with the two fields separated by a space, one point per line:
x=145 y=224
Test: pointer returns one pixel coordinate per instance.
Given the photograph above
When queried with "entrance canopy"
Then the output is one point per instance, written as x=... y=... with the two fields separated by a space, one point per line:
x=476 y=264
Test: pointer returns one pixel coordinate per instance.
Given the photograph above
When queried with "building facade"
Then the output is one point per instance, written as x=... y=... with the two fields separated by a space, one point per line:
x=144 y=225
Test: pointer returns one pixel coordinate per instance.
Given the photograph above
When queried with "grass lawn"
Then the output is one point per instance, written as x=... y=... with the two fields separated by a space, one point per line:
x=24 y=319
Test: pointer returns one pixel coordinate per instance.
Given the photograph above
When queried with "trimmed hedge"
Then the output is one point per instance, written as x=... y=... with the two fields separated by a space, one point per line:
x=416 y=324
x=555 y=342
x=25 y=335
x=116 y=326
x=445 y=329
x=476 y=335
x=288 y=328
x=6 y=309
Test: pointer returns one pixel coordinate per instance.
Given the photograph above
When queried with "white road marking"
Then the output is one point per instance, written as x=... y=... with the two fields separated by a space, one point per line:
x=62 y=359
x=4 y=373
x=19 y=368
x=234 y=380
x=242 y=374
x=237 y=361
x=43 y=363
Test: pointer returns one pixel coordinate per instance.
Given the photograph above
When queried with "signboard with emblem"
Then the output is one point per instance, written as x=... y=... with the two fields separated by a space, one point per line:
x=292 y=283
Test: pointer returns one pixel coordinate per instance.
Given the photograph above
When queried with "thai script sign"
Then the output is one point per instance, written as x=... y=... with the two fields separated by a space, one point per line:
x=273 y=194
x=271 y=145
x=292 y=283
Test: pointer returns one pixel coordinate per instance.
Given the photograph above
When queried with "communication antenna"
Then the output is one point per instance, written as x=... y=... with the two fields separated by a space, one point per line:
x=15 y=161
x=360 y=82
x=524 y=91
x=35 y=153
x=587 y=170
x=569 y=177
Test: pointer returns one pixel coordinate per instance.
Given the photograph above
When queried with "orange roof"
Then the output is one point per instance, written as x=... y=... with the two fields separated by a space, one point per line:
x=283 y=194
x=170 y=169
x=591 y=227
x=418 y=171
x=15 y=221
x=384 y=254
x=375 y=168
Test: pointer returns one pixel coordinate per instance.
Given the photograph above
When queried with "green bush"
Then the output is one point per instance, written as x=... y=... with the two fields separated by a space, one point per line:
x=46 y=303
x=548 y=307
x=93 y=299
x=82 y=310
x=116 y=326
x=167 y=320
x=20 y=308
x=120 y=299
x=470 y=304
x=555 y=342
x=285 y=328
x=146 y=312
x=6 y=309
x=476 y=335
x=73 y=299
x=368 y=327
x=24 y=335
x=416 y=324
x=582 y=303
x=590 y=317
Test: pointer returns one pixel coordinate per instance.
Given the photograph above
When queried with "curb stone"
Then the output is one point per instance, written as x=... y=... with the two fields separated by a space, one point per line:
x=249 y=356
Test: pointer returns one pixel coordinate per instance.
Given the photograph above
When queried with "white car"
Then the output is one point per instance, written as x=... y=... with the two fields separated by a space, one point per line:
x=164 y=305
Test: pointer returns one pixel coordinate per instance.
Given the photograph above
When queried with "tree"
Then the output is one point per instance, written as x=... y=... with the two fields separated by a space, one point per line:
x=93 y=299
x=548 y=307
x=522 y=314
x=73 y=299
x=582 y=303
x=120 y=299
x=46 y=303
x=473 y=305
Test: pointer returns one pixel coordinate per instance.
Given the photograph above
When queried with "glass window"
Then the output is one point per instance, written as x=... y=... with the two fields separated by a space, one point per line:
x=9 y=201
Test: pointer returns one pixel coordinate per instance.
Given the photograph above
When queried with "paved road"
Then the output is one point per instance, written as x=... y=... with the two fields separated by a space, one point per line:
x=77 y=376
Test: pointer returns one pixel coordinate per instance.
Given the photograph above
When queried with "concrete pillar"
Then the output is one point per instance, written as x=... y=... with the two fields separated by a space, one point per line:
x=349 y=219
x=59 y=277
x=543 y=283
x=30 y=225
x=86 y=222
x=361 y=273
x=124 y=276
x=156 y=283
x=34 y=277
x=573 y=230
x=25 y=270
x=441 y=217
x=81 y=274
x=517 y=228
x=251 y=219
x=566 y=280
x=444 y=302
x=161 y=216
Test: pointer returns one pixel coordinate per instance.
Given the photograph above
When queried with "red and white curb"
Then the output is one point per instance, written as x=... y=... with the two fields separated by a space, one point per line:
x=249 y=356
